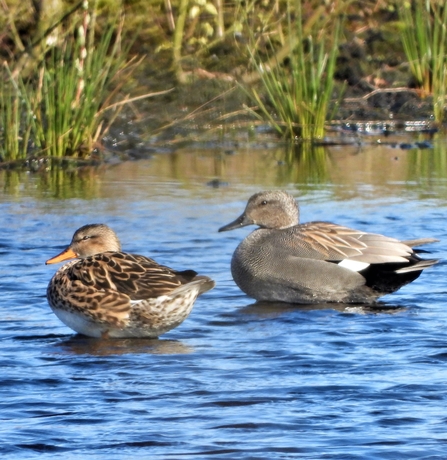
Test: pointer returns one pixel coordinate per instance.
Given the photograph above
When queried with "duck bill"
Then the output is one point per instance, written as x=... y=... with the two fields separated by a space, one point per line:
x=64 y=255
x=241 y=221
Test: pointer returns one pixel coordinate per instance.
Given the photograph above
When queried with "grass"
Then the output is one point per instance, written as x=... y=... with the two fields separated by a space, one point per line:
x=424 y=39
x=15 y=121
x=65 y=106
x=298 y=80
x=68 y=103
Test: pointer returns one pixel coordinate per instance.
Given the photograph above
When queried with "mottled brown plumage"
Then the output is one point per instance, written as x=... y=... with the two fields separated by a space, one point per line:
x=109 y=293
x=316 y=262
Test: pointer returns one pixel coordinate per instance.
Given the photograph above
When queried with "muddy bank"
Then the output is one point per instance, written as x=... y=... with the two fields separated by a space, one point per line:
x=373 y=84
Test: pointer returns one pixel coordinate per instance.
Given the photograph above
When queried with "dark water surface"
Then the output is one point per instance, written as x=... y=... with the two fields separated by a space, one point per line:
x=236 y=380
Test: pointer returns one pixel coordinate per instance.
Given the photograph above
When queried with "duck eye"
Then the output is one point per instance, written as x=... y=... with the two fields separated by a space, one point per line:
x=86 y=237
x=263 y=203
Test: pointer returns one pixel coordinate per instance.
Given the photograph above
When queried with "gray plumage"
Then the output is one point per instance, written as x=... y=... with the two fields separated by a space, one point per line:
x=317 y=262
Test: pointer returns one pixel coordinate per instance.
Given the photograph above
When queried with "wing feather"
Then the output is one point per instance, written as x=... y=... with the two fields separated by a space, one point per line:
x=138 y=277
x=336 y=243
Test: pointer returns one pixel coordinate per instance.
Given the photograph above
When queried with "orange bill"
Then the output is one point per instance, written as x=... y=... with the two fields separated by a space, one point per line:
x=64 y=255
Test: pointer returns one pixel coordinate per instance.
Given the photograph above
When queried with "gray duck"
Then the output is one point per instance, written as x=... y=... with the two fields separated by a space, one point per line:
x=317 y=262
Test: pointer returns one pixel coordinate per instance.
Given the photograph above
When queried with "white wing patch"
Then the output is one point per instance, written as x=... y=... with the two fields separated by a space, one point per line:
x=353 y=265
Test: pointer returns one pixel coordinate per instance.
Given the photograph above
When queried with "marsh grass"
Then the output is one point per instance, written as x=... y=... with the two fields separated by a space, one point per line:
x=74 y=91
x=70 y=101
x=297 y=85
x=15 y=120
x=424 y=38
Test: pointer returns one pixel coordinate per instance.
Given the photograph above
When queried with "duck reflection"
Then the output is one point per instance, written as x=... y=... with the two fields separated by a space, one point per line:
x=275 y=309
x=81 y=345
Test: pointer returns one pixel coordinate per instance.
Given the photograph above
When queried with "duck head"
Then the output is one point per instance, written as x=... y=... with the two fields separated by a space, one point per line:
x=271 y=209
x=87 y=241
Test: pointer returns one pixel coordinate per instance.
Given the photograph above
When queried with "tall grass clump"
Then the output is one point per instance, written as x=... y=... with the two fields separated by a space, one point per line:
x=15 y=121
x=76 y=85
x=297 y=81
x=424 y=38
x=69 y=101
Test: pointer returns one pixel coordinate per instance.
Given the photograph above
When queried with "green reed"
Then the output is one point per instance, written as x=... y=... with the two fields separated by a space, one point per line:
x=68 y=103
x=424 y=39
x=15 y=121
x=298 y=83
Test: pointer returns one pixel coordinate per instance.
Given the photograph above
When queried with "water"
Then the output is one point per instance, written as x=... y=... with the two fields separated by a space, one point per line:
x=236 y=380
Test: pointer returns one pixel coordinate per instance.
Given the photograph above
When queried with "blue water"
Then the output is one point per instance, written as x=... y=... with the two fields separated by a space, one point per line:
x=236 y=380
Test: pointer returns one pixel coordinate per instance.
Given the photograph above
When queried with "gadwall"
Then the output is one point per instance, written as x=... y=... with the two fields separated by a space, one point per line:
x=112 y=294
x=316 y=262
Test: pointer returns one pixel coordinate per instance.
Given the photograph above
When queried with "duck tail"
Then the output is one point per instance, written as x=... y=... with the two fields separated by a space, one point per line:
x=201 y=283
x=419 y=242
x=418 y=266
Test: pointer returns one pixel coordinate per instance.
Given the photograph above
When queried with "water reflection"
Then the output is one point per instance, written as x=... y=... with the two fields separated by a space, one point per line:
x=303 y=163
x=61 y=183
x=276 y=309
x=80 y=345
x=57 y=182
x=426 y=165
x=383 y=166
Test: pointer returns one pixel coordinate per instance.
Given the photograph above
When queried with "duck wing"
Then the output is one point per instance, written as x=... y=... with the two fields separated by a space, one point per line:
x=135 y=276
x=335 y=243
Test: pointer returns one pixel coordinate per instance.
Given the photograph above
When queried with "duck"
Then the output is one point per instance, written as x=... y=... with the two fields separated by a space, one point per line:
x=317 y=262
x=107 y=293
